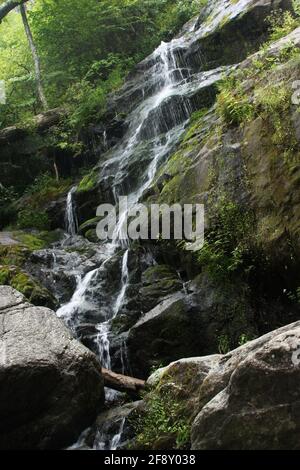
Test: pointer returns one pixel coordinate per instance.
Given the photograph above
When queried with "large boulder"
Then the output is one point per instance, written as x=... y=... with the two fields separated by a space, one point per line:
x=51 y=386
x=169 y=331
x=247 y=399
x=200 y=319
x=254 y=396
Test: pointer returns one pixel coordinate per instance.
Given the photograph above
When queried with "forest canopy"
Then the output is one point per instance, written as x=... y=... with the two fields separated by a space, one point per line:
x=85 y=47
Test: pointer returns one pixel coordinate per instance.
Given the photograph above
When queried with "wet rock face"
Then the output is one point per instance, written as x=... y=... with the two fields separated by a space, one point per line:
x=169 y=331
x=51 y=385
x=231 y=31
x=112 y=429
x=190 y=322
x=158 y=282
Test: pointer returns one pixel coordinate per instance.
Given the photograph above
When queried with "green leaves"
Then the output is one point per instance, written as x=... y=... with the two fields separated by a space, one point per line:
x=88 y=44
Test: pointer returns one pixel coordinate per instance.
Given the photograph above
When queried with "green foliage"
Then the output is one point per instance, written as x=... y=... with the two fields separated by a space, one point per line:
x=232 y=104
x=227 y=248
x=12 y=255
x=243 y=339
x=44 y=189
x=4 y=276
x=31 y=218
x=281 y=24
x=17 y=71
x=223 y=344
x=294 y=296
x=7 y=210
x=86 y=49
x=163 y=418
x=273 y=104
x=40 y=184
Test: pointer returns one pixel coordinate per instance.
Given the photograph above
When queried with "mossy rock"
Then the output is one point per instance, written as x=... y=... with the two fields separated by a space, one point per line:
x=91 y=236
x=30 y=288
x=88 y=182
x=158 y=281
x=88 y=226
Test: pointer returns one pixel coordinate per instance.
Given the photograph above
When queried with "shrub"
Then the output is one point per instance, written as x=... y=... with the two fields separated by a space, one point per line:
x=281 y=24
x=163 y=418
x=30 y=218
x=228 y=245
x=232 y=105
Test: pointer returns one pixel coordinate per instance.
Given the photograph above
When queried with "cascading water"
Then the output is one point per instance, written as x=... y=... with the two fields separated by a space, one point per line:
x=103 y=442
x=71 y=222
x=154 y=128
x=124 y=283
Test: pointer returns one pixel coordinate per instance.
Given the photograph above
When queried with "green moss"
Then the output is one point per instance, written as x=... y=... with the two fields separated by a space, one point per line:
x=31 y=289
x=88 y=182
x=158 y=272
x=33 y=242
x=195 y=124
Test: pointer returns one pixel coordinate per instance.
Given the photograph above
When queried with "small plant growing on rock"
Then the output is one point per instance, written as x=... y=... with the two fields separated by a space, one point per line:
x=232 y=105
x=163 y=422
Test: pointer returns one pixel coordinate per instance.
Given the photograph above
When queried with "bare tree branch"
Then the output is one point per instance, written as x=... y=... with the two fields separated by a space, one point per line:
x=36 y=59
x=9 y=5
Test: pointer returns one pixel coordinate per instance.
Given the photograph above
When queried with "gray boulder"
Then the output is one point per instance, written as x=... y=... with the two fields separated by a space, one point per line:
x=168 y=332
x=251 y=399
x=248 y=399
x=50 y=385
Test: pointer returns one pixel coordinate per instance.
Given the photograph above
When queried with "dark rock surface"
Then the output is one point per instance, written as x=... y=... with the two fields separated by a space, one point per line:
x=51 y=385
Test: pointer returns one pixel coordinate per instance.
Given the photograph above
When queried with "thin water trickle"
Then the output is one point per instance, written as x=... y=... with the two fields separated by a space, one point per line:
x=124 y=284
x=71 y=222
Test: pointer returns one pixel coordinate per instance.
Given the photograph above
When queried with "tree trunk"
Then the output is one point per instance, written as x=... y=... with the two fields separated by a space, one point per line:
x=122 y=383
x=36 y=60
x=9 y=5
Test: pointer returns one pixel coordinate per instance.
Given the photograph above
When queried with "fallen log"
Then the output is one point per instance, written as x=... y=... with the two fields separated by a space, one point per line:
x=122 y=383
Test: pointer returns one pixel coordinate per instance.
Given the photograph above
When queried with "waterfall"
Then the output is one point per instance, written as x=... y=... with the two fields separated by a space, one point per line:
x=78 y=300
x=105 y=441
x=71 y=222
x=154 y=128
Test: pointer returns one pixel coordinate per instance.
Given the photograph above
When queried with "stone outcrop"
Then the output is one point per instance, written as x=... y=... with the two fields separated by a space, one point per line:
x=247 y=399
x=51 y=386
